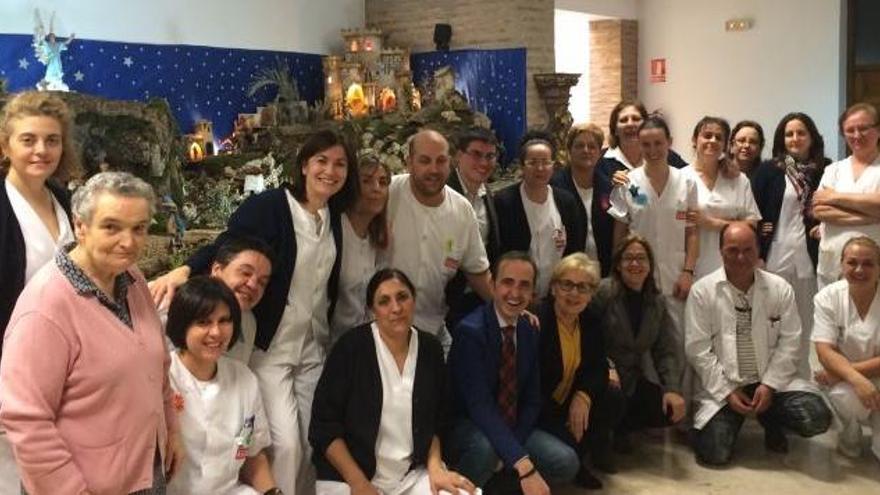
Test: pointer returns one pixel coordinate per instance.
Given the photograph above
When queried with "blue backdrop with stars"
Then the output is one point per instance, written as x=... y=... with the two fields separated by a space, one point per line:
x=198 y=82
x=493 y=81
x=211 y=83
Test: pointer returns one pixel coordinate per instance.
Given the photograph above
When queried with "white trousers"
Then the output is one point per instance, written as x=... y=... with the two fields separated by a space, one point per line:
x=10 y=482
x=804 y=290
x=287 y=391
x=849 y=410
x=416 y=482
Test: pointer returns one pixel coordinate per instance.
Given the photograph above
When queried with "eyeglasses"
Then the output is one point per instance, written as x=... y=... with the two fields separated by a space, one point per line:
x=637 y=258
x=476 y=155
x=539 y=163
x=856 y=130
x=582 y=287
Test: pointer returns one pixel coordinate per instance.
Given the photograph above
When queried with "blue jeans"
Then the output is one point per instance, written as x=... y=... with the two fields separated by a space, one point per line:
x=476 y=458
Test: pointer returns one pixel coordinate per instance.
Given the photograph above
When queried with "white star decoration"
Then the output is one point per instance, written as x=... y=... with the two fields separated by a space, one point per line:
x=23 y=63
x=78 y=76
x=127 y=61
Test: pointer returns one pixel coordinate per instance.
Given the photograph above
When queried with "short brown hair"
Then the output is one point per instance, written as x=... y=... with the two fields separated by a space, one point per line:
x=43 y=104
x=592 y=131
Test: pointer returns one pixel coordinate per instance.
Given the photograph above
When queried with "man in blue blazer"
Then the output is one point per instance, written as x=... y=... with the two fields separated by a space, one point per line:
x=498 y=406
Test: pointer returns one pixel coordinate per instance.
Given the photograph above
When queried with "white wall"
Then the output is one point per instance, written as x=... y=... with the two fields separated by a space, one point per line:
x=307 y=26
x=572 y=47
x=793 y=59
x=624 y=9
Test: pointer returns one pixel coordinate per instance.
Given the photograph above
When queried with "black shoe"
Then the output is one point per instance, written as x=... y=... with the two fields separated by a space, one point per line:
x=775 y=441
x=623 y=443
x=586 y=479
x=604 y=463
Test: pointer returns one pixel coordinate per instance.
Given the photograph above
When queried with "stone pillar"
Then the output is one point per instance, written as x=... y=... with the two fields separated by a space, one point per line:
x=613 y=66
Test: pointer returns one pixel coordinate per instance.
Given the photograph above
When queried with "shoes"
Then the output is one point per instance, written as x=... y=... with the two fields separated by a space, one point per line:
x=604 y=463
x=586 y=479
x=775 y=441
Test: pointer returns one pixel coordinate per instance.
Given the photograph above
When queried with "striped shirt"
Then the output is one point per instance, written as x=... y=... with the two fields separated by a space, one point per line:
x=745 y=346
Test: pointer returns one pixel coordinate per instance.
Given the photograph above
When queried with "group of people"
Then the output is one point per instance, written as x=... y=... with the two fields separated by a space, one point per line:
x=358 y=332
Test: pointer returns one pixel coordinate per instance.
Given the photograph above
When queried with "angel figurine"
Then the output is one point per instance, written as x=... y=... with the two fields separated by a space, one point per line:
x=47 y=49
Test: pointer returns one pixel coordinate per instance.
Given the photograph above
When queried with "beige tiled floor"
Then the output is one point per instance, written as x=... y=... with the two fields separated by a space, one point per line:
x=664 y=465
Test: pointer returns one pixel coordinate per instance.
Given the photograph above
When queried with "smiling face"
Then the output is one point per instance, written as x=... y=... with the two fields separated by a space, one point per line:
x=538 y=165
x=635 y=266
x=373 y=194
x=655 y=145
x=325 y=173
x=572 y=292
x=246 y=275
x=746 y=145
x=797 y=139
x=628 y=121
x=477 y=162
x=861 y=132
x=34 y=147
x=208 y=338
x=514 y=288
x=392 y=306
x=114 y=238
x=709 y=143
x=739 y=251
x=861 y=265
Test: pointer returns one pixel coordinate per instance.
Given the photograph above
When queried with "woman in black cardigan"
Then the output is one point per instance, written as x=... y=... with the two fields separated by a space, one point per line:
x=783 y=188
x=379 y=406
x=37 y=150
x=574 y=369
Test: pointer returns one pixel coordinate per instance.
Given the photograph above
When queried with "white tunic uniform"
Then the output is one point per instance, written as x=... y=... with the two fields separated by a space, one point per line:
x=839 y=176
x=837 y=322
x=731 y=199
x=430 y=244
x=243 y=349
x=222 y=423
x=548 y=237
x=360 y=260
x=586 y=195
x=710 y=339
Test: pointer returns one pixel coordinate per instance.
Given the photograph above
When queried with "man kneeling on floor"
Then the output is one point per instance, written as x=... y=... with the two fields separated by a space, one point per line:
x=742 y=336
x=494 y=363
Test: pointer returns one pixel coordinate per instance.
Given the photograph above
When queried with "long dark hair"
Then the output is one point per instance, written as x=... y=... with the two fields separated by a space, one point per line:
x=816 y=153
x=650 y=286
x=320 y=141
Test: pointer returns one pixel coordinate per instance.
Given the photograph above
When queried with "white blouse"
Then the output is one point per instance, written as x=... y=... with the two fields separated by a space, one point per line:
x=360 y=259
x=39 y=245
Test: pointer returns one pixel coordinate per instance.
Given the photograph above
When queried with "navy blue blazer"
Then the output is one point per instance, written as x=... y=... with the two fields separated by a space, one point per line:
x=513 y=225
x=474 y=362
x=267 y=217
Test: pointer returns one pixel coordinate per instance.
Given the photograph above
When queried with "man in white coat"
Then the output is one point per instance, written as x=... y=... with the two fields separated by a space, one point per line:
x=742 y=336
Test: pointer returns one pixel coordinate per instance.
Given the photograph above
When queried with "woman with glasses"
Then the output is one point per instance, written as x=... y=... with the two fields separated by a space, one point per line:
x=636 y=324
x=574 y=369
x=847 y=201
x=744 y=149
x=538 y=218
x=658 y=203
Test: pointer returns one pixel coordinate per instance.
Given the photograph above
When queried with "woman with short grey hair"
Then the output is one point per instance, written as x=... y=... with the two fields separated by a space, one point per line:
x=86 y=399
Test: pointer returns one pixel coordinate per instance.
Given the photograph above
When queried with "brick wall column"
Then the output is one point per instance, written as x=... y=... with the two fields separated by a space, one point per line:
x=613 y=66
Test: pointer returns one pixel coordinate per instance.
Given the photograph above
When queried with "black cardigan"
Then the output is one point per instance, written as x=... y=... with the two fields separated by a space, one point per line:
x=592 y=374
x=563 y=179
x=13 y=257
x=348 y=401
x=267 y=216
x=768 y=187
x=513 y=225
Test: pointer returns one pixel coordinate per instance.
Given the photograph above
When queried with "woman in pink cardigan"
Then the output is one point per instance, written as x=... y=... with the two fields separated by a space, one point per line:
x=85 y=397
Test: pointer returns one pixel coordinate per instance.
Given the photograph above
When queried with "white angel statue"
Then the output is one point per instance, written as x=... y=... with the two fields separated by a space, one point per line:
x=48 y=50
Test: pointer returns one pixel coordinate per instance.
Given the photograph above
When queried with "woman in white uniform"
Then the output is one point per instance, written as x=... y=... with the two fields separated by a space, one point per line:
x=658 y=204
x=302 y=223
x=223 y=425
x=379 y=405
x=37 y=149
x=722 y=199
x=783 y=189
x=846 y=332
x=364 y=240
x=848 y=200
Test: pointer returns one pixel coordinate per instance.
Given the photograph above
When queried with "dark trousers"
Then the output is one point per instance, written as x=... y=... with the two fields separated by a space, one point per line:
x=804 y=413
x=643 y=409
x=603 y=412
